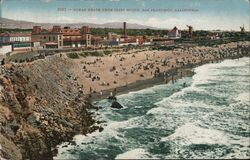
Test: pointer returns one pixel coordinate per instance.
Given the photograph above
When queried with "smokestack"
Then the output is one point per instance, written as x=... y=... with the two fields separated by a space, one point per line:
x=124 y=29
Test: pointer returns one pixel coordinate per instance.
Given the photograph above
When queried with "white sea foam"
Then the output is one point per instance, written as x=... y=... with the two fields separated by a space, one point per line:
x=138 y=106
x=191 y=134
x=244 y=97
x=137 y=153
x=110 y=131
x=176 y=109
x=208 y=72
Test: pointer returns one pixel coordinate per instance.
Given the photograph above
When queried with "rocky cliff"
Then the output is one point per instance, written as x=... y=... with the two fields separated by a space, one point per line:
x=41 y=105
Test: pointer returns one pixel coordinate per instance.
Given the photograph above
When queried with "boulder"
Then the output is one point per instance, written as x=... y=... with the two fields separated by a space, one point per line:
x=117 y=105
x=101 y=129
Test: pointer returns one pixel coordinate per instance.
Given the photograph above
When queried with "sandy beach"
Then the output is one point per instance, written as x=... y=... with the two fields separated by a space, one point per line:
x=52 y=92
x=99 y=75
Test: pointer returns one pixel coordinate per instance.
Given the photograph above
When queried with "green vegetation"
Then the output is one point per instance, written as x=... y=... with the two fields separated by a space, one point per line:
x=165 y=48
x=73 y=55
x=197 y=34
x=85 y=54
x=107 y=52
x=3 y=30
x=95 y=53
x=131 y=32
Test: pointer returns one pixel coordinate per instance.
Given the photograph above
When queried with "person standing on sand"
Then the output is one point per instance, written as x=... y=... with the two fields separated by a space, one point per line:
x=101 y=93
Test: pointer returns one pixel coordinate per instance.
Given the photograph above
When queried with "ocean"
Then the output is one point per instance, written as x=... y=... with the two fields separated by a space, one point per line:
x=208 y=118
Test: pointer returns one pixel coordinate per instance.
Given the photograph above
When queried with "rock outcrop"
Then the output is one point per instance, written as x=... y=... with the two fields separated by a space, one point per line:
x=41 y=105
x=116 y=105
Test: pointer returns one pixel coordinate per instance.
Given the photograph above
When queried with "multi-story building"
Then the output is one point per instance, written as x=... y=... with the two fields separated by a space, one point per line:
x=58 y=37
x=19 y=41
x=75 y=37
x=52 y=38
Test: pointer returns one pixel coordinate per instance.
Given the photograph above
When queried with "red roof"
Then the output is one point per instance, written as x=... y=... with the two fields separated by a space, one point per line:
x=48 y=31
x=72 y=39
x=15 y=34
x=71 y=32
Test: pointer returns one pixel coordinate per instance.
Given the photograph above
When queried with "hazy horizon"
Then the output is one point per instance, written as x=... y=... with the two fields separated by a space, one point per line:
x=202 y=15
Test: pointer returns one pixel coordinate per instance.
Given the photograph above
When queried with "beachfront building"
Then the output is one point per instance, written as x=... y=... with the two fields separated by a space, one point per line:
x=52 y=38
x=127 y=42
x=71 y=37
x=96 y=41
x=75 y=37
x=58 y=37
x=18 y=41
x=4 y=49
x=174 y=33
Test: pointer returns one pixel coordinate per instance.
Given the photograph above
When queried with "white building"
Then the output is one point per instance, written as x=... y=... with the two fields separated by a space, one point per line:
x=14 y=37
x=174 y=33
x=19 y=41
x=5 y=49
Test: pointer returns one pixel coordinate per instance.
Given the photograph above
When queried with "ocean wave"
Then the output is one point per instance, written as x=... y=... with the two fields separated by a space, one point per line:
x=244 y=97
x=212 y=71
x=189 y=133
x=137 y=153
x=206 y=119
x=192 y=141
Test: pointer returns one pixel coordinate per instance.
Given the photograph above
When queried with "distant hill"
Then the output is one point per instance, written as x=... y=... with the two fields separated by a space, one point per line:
x=9 y=23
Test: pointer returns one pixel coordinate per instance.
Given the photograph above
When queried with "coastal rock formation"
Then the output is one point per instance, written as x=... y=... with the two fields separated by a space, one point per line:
x=43 y=103
x=40 y=106
x=117 y=105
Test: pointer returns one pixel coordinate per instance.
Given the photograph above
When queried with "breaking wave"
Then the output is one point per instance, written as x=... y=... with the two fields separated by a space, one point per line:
x=207 y=119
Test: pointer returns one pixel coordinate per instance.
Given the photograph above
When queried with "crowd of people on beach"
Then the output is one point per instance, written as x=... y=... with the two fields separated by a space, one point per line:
x=120 y=69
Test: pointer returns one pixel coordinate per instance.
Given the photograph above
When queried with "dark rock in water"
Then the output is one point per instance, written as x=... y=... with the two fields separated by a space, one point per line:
x=115 y=104
x=73 y=143
x=100 y=129
x=64 y=146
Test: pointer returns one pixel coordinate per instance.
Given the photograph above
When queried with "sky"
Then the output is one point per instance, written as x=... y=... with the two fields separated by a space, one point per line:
x=201 y=14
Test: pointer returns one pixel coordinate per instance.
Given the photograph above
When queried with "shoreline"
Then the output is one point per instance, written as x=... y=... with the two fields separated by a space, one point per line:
x=186 y=71
x=67 y=100
x=139 y=85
